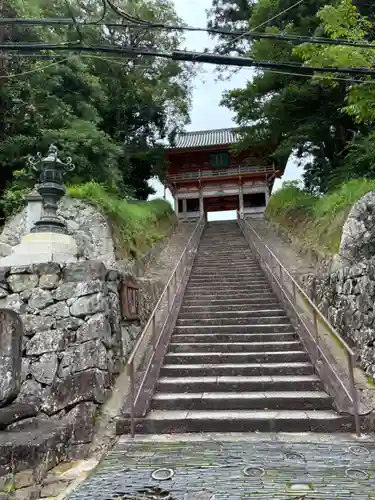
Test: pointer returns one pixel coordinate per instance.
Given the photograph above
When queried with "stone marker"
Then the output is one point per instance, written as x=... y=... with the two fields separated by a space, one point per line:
x=10 y=355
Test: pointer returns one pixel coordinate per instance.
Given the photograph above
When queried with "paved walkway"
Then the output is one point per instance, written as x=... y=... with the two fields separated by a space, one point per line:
x=304 y=466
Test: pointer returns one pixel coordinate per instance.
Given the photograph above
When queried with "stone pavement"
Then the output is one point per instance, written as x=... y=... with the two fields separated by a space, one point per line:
x=236 y=466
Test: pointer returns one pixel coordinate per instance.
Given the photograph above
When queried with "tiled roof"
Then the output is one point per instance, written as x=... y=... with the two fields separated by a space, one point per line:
x=206 y=138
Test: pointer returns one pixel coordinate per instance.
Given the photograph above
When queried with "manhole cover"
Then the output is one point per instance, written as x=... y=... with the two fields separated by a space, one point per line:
x=254 y=472
x=359 y=450
x=162 y=474
x=292 y=455
x=356 y=474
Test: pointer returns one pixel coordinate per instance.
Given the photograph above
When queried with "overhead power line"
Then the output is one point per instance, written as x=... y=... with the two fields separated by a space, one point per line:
x=266 y=22
x=187 y=56
x=217 y=31
x=113 y=60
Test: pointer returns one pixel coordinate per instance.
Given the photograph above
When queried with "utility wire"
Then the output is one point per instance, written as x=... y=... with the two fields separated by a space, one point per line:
x=76 y=25
x=264 y=23
x=112 y=60
x=35 y=70
x=217 y=31
x=187 y=56
x=127 y=16
x=334 y=78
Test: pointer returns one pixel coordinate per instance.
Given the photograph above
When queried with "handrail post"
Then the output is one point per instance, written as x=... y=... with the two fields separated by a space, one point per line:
x=169 y=296
x=354 y=395
x=315 y=319
x=281 y=275
x=154 y=330
x=132 y=398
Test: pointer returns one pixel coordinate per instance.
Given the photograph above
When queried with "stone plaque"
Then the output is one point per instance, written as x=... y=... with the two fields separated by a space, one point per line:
x=10 y=355
x=129 y=299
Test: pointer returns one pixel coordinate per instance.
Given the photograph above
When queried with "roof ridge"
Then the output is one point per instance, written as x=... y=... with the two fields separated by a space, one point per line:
x=209 y=130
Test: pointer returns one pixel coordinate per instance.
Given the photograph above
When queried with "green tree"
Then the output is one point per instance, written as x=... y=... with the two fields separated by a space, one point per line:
x=292 y=113
x=345 y=21
x=108 y=113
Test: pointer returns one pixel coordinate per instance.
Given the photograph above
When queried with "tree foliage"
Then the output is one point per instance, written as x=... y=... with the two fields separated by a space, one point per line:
x=321 y=119
x=108 y=113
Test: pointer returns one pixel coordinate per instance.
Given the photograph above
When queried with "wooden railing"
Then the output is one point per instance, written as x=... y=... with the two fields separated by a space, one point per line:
x=314 y=326
x=204 y=174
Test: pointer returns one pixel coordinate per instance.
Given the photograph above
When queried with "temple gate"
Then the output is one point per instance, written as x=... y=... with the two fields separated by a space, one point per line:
x=206 y=175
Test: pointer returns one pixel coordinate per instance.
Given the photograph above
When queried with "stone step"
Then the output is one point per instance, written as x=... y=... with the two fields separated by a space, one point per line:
x=268 y=300
x=291 y=400
x=217 y=248
x=232 y=337
x=182 y=421
x=233 y=290
x=227 y=275
x=258 y=300
x=251 y=281
x=207 y=312
x=276 y=328
x=263 y=357
x=210 y=307
x=239 y=383
x=225 y=270
x=244 y=347
x=234 y=285
x=223 y=369
x=231 y=259
x=233 y=320
x=239 y=266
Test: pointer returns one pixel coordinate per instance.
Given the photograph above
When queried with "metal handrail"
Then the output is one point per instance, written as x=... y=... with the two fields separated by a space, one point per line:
x=316 y=316
x=164 y=304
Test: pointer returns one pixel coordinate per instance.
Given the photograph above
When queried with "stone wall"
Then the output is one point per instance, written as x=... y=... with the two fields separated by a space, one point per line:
x=89 y=227
x=72 y=350
x=344 y=287
x=346 y=297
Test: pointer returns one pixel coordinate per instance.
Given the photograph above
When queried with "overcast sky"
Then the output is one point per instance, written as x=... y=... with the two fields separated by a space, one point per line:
x=206 y=112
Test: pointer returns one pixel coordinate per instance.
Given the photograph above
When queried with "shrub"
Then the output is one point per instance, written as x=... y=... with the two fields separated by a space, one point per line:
x=137 y=225
x=316 y=221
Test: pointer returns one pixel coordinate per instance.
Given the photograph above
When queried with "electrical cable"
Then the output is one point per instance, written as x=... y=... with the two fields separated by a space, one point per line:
x=248 y=62
x=334 y=78
x=217 y=31
x=277 y=15
x=35 y=70
x=127 y=16
x=187 y=56
x=264 y=23
x=103 y=14
x=122 y=62
x=74 y=21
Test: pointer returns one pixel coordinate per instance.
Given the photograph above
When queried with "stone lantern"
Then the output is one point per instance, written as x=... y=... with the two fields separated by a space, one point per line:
x=48 y=240
x=51 y=189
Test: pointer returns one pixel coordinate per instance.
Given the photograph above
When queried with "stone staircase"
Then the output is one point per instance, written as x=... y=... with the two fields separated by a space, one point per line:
x=235 y=362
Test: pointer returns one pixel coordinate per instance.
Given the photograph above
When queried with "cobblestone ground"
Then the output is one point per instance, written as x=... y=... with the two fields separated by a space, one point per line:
x=213 y=467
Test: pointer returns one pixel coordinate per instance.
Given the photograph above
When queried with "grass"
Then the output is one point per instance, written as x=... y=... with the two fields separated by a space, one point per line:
x=317 y=222
x=136 y=226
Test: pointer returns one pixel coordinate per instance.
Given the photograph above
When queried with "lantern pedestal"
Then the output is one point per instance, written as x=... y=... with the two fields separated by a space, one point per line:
x=37 y=248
